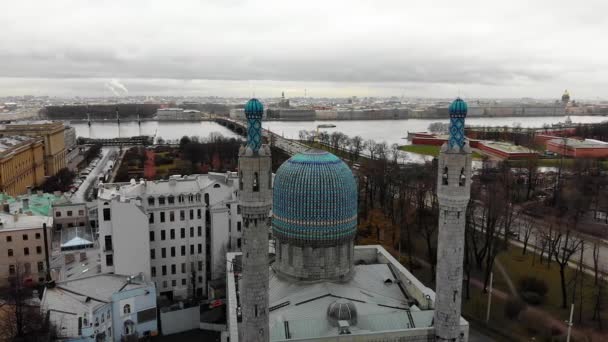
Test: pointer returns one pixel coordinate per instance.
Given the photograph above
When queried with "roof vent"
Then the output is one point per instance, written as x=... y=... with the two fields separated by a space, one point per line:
x=342 y=310
x=343 y=328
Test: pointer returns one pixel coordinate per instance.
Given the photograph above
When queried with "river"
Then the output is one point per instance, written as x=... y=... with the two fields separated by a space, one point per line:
x=391 y=131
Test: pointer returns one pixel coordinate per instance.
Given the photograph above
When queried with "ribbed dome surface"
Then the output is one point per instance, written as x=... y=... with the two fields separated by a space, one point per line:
x=314 y=200
x=254 y=109
x=458 y=108
x=342 y=310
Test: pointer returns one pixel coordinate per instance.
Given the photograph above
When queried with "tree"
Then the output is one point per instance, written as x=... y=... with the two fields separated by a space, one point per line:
x=22 y=320
x=564 y=248
x=357 y=146
x=526 y=228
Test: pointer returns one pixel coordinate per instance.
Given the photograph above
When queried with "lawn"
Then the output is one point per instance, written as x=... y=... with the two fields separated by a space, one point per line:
x=429 y=150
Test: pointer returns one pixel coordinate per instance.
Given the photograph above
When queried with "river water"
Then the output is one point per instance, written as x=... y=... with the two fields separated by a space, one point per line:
x=391 y=131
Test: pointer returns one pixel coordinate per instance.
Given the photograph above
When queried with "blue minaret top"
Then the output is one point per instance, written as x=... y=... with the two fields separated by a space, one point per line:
x=254 y=111
x=458 y=112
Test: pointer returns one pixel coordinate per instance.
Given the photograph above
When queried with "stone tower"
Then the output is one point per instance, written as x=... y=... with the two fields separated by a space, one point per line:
x=453 y=193
x=255 y=198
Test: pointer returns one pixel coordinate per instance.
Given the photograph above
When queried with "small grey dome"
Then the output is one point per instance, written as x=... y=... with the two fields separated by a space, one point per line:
x=342 y=310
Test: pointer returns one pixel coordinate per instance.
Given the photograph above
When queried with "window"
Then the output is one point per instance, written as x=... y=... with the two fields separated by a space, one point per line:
x=462 y=179
x=38 y=249
x=216 y=186
x=161 y=200
x=206 y=199
x=151 y=218
x=37 y=236
x=40 y=266
x=200 y=265
x=174 y=283
x=80 y=212
x=11 y=269
x=69 y=213
x=109 y=260
x=199 y=231
x=126 y=309
x=172 y=251
x=238 y=226
x=182 y=215
x=9 y=238
x=171 y=216
x=200 y=248
x=256 y=184
x=172 y=234
x=198 y=197
x=153 y=271
x=191 y=231
x=162 y=216
x=58 y=214
x=163 y=235
x=151 y=236
x=152 y=253
x=106 y=214
x=26 y=251
x=445 y=176
x=240 y=180
x=182 y=233
x=171 y=199
x=10 y=252
x=180 y=199
x=25 y=237
x=183 y=281
x=238 y=210
x=198 y=213
x=108 y=242
x=164 y=284
x=183 y=267
x=150 y=200
x=238 y=243
x=191 y=249
x=200 y=279
x=173 y=269
x=164 y=271
x=163 y=252
x=192 y=214
x=183 y=250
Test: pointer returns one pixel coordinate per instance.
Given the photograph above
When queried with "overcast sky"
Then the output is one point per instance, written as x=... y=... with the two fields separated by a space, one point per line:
x=512 y=48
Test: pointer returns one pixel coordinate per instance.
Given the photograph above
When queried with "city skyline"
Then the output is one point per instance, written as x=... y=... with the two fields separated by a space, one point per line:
x=241 y=48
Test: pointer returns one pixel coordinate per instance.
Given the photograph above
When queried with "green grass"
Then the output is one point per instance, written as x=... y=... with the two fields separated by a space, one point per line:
x=429 y=150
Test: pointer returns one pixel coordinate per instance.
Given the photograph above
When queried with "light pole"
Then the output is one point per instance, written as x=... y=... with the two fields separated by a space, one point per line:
x=489 y=297
x=570 y=322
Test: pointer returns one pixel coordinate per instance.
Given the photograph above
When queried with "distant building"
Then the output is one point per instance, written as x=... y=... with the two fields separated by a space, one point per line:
x=22 y=248
x=70 y=137
x=575 y=148
x=187 y=224
x=21 y=164
x=53 y=136
x=104 y=307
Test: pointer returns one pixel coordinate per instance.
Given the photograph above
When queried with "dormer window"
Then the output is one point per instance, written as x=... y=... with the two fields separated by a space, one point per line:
x=445 y=176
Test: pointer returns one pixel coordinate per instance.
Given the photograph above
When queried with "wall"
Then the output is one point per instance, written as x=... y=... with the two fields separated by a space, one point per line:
x=177 y=321
x=19 y=259
x=131 y=247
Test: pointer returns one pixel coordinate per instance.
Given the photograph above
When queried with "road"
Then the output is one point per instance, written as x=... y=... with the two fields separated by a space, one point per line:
x=106 y=153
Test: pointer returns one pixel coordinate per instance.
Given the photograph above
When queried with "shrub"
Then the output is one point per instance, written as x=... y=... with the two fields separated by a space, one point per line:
x=531 y=284
x=513 y=307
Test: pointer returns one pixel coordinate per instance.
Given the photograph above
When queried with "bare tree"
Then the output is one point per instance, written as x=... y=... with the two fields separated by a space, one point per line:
x=596 y=261
x=527 y=227
x=371 y=148
x=564 y=247
x=357 y=146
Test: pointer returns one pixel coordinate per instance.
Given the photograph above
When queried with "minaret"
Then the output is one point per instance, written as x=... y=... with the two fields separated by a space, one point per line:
x=255 y=198
x=453 y=193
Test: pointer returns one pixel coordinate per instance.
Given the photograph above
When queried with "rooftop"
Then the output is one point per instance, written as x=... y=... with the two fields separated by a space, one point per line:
x=9 y=142
x=577 y=143
x=507 y=147
x=10 y=222
x=39 y=204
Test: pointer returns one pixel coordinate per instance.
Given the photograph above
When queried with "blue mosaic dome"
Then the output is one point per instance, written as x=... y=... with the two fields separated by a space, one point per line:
x=314 y=200
x=254 y=109
x=458 y=108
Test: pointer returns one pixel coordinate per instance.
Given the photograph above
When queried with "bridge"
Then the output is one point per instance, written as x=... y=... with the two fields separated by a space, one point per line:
x=142 y=140
x=290 y=147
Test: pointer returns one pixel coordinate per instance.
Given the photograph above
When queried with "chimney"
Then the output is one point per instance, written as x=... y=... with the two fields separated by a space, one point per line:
x=26 y=203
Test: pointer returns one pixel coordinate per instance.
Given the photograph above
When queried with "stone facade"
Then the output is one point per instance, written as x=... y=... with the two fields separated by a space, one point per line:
x=453 y=192
x=255 y=196
x=308 y=263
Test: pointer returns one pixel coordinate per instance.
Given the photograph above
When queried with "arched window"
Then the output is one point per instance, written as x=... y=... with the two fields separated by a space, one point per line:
x=207 y=199
x=126 y=309
x=463 y=179
x=445 y=176
x=256 y=182
x=180 y=198
x=198 y=197
x=171 y=199
x=129 y=327
x=216 y=186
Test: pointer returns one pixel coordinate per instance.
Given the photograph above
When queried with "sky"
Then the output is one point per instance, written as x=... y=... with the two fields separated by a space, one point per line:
x=431 y=48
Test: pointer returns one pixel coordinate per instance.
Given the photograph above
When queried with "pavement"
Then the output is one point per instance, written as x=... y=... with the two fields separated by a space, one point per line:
x=106 y=153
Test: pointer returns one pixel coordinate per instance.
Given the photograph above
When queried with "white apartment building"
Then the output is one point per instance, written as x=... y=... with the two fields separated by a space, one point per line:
x=176 y=232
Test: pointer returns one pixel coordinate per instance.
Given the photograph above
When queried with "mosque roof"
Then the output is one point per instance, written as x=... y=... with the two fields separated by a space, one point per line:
x=254 y=107
x=458 y=108
x=314 y=199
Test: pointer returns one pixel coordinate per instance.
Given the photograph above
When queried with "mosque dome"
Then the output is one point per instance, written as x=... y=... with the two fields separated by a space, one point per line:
x=254 y=109
x=314 y=200
x=342 y=310
x=458 y=108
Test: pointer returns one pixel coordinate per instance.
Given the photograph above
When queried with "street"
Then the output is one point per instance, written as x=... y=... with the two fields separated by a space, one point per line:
x=106 y=153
